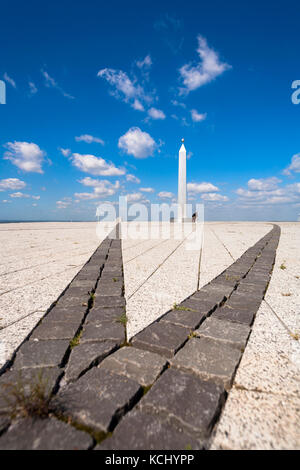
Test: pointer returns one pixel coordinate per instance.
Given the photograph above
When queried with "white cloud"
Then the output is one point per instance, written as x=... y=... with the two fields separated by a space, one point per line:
x=165 y=195
x=65 y=152
x=124 y=88
x=293 y=166
x=197 y=117
x=204 y=187
x=95 y=165
x=19 y=195
x=51 y=83
x=25 y=155
x=137 y=143
x=177 y=103
x=9 y=80
x=102 y=188
x=11 y=184
x=214 y=197
x=147 y=190
x=32 y=88
x=5 y=201
x=63 y=204
x=37 y=198
x=156 y=113
x=133 y=179
x=89 y=139
x=209 y=68
x=134 y=197
x=146 y=63
x=263 y=184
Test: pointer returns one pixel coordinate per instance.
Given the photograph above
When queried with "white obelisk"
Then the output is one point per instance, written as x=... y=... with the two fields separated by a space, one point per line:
x=182 y=183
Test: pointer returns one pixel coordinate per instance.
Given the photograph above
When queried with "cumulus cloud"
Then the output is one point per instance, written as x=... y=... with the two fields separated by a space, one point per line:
x=9 y=80
x=19 y=195
x=25 y=155
x=294 y=166
x=263 y=184
x=11 y=184
x=125 y=88
x=133 y=179
x=197 y=117
x=95 y=165
x=147 y=190
x=156 y=113
x=101 y=188
x=50 y=82
x=165 y=195
x=145 y=63
x=195 y=188
x=89 y=139
x=63 y=204
x=32 y=88
x=137 y=143
x=65 y=152
x=134 y=197
x=214 y=197
x=207 y=69
x=178 y=103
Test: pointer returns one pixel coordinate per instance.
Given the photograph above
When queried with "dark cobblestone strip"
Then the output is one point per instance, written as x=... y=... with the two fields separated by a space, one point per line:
x=165 y=389
x=85 y=325
x=202 y=341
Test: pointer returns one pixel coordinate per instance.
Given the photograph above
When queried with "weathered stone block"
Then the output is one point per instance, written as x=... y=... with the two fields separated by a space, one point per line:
x=235 y=315
x=142 y=366
x=109 y=302
x=234 y=334
x=185 y=400
x=163 y=338
x=41 y=353
x=101 y=314
x=111 y=290
x=211 y=360
x=244 y=301
x=44 y=434
x=87 y=355
x=102 y=331
x=183 y=318
x=143 y=431
x=98 y=399
x=55 y=330
x=64 y=315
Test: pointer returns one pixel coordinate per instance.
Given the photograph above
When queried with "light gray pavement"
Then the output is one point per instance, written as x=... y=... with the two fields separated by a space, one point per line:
x=159 y=272
x=263 y=407
x=37 y=262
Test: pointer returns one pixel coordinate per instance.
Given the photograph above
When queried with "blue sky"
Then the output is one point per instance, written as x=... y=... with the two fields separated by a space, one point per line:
x=99 y=95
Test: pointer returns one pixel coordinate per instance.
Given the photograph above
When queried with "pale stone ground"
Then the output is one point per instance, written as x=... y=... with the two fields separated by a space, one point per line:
x=263 y=407
x=39 y=260
x=159 y=272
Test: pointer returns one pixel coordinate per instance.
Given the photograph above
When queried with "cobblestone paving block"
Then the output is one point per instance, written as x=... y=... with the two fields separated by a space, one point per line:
x=208 y=298
x=41 y=353
x=82 y=284
x=235 y=315
x=102 y=331
x=161 y=337
x=25 y=380
x=197 y=305
x=222 y=289
x=86 y=355
x=234 y=334
x=109 y=302
x=183 y=318
x=111 y=290
x=142 y=366
x=110 y=276
x=62 y=315
x=253 y=289
x=98 y=399
x=226 y=279
x=143 y=431
x=244 y=301
x=211 y=360
x=44 y=434
x=100 y=314
x=185 y=400
x=72 y=300
x=53 y=330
